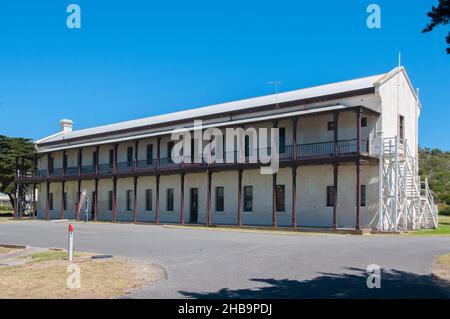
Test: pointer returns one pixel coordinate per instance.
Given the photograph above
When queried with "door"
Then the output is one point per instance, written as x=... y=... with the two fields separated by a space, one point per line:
x=193 y=206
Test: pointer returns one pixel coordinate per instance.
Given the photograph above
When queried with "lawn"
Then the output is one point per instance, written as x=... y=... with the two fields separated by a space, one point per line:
x=45 y=275
x=444 y=228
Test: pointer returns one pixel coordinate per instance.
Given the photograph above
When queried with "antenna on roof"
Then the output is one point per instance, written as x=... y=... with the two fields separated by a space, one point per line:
x=399 y=58
x=276 y=83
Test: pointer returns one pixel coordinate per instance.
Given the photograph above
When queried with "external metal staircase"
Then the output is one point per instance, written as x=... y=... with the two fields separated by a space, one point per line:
x=405 y=201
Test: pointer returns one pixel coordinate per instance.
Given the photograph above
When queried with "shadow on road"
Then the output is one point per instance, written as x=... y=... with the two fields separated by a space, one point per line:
x=394 y=284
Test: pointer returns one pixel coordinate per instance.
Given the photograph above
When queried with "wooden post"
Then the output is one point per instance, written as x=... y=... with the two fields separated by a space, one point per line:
x=20 y=201
x=47 y=198
x=208 y=199
x=358 y=131
x=61 y=209
x=274 y=200
x=274 y=185
x=335 y=194
x=182 y=200
x=134 y=198
x=97 y=156
x=115 y=148
x=96 y=201
x=16 y=188
x=336 y=130
x=239 y=199
x=358 y=194
x=114 y=199
x=35 y=167
x=64 y=163
x=49 y=156
x=33 y=214
x=157 y=200
x=79 y=160
x=158 y=151
x=77 y=216
x=16 y=201
x=294 y=138
x=136 y=154
x=294 y=196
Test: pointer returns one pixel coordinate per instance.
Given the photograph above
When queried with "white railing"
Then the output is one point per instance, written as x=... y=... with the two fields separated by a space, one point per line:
x=405 y=201
x=430 y=202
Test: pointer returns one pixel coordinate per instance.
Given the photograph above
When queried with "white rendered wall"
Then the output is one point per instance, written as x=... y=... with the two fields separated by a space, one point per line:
x=392 y=95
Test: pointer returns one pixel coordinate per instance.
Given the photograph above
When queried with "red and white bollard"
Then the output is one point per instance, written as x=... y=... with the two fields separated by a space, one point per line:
x=70 y=250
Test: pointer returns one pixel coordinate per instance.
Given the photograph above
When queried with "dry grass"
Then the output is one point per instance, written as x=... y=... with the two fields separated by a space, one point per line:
x=5 y=219
x=4 y=250
x=442 y=267
x=45 y=276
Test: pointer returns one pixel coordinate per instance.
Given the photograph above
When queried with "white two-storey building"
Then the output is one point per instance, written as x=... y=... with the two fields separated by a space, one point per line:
x=347 y=159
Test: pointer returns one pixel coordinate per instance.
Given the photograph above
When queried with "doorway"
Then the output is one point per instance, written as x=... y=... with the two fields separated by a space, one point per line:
x=193 y=205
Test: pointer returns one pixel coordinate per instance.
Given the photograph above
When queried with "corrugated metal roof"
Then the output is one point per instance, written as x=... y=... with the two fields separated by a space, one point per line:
x=229 y=123
x=306 y=93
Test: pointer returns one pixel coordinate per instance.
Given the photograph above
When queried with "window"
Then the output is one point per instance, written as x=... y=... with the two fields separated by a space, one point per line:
x=401 y=128
x=363 y=195
x=65 y=160
x=224 y=149
x=364 y=122
x=219 y=199
x=170 y=199
x=130 y=156
x=248 y=198
x=50 y=201
x=149 y=154
x=64 y=201
x=93 y=202
x=148 y=199
x=94 y=158
x=330 y=126
x=169 y=151
x=247 y=146
x=280 y=198
x=129 y=205
x=192 y=150
x=51 y=164
x=80 y=158
x=282 y=140
x=330 y=196
x=111 y=156
x=110 y=200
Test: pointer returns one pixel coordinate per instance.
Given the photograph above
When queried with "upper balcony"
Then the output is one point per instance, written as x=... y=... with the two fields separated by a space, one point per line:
x=303 y=153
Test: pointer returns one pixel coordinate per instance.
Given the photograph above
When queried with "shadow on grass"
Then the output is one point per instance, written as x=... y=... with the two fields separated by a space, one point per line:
x=394 y=284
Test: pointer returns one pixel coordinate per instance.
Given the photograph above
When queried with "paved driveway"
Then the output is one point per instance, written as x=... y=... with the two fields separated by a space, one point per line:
x=211 y=264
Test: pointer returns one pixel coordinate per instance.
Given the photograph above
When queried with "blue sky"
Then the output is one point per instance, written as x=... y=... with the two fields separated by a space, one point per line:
x=134 y=59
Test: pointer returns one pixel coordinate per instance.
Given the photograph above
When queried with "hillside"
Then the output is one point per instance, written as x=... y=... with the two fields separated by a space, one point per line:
x=435 y=165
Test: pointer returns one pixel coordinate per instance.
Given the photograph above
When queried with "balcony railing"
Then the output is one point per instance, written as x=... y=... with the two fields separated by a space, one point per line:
x=146 y=165
x=105 y=168
x=71 y=171
x=41 y=173
x=87 y=169
x=125 y=166
x=55 y=172
x=303 y=151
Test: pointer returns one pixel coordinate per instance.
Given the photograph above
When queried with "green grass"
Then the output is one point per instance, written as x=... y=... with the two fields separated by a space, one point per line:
x=444 y=228
x=49 y=255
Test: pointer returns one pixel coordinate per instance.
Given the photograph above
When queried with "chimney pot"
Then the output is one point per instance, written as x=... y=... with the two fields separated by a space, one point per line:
x=66 y=125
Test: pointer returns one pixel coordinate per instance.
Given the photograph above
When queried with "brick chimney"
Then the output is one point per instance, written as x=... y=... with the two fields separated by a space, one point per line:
x=66 y=125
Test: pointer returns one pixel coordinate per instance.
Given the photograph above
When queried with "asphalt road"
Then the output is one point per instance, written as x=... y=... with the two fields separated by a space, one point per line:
x=217 y=264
